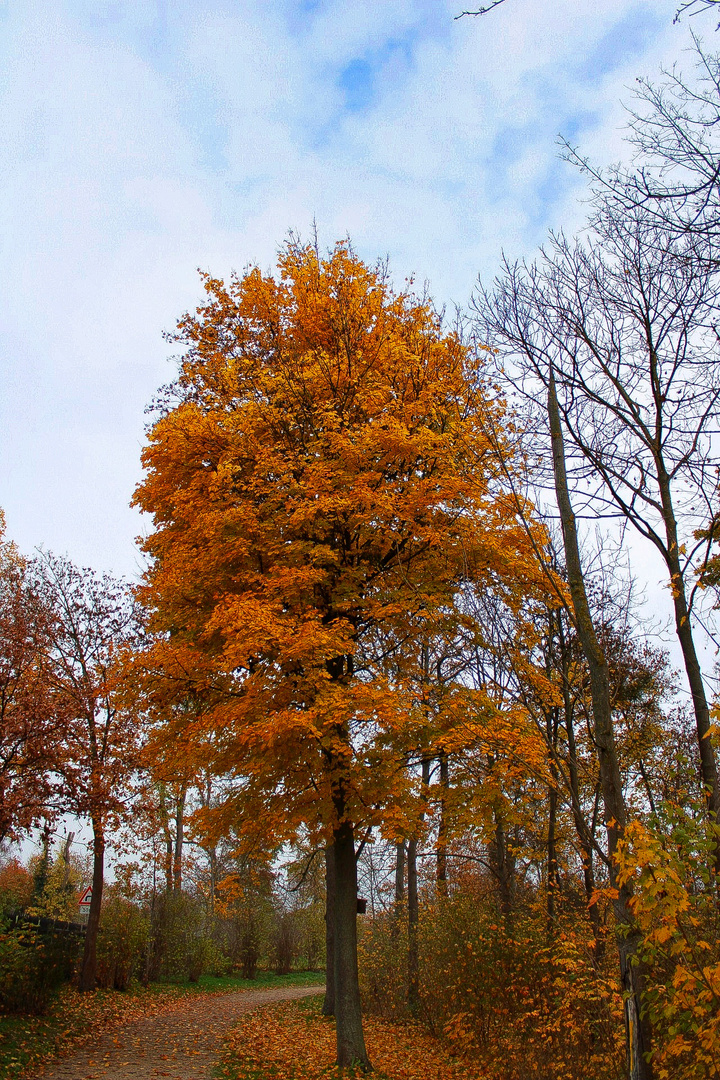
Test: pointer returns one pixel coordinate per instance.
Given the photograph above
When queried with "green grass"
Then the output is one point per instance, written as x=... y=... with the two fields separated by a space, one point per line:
x=211 y=983
x=26 y=1040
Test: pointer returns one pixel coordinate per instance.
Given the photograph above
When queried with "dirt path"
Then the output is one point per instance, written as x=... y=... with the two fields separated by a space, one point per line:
x=183 y=1043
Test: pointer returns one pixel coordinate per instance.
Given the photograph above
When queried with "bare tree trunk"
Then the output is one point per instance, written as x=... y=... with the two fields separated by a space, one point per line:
x=442 y=837
x=413 y=903
x=179 y=839
x=581 y=827
x=328 y=1008
x=503 y=865
x=413 y=921
x=88 y=971
x=683 y=628
x=637 y=1031
x=400 y=872
x=167 y=837
x=348 y=1014
x=553 y=876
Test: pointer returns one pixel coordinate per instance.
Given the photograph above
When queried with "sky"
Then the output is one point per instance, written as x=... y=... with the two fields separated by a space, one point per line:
x=142 y=141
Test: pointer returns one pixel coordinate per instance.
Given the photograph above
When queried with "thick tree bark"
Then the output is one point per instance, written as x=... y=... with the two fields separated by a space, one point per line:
x=88 y=971
x=348 y=1015
x=328 y=1008
x=638 y=1033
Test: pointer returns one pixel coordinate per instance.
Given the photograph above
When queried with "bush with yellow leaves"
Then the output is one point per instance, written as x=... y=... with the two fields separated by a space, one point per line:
x=671 y=863
x=501 y=992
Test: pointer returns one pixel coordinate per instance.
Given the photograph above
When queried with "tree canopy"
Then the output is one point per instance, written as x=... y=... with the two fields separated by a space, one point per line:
x=323 y=488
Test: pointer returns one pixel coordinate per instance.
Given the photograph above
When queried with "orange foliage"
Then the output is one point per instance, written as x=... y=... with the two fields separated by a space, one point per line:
x=28 y=734
x=322 y=484
x=16 y=885
x=498 y=991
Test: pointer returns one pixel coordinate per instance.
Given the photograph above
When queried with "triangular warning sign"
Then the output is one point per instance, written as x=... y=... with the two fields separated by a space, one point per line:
x=86 y=897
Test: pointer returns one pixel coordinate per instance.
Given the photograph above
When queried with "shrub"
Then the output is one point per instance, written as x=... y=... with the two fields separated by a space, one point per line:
x=310 y=922
x=286 y=941
x=16 y=886
x=178 y=949
x=122 y=941
x=249 y=918
x=33 y=964
x=523 y=1006
x=671 y=865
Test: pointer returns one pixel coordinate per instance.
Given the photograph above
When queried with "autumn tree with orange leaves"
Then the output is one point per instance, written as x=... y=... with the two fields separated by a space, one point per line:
x=322 y=491
x=29 y=735
x=92 y=621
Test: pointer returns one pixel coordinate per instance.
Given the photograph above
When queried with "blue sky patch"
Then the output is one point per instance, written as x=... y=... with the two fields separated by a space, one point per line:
x=357 y=81
x=360 y=77
x=627 y=40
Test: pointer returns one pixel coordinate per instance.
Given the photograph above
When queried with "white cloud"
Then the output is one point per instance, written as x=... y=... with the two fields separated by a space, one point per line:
x=143 y=140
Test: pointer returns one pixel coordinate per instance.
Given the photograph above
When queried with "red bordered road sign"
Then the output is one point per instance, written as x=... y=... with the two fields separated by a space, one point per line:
x=86 y=897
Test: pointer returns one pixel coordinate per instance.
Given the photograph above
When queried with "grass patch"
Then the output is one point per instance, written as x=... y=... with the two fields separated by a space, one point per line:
x=213 y=983
x=293 y=1041
x=75 y=1018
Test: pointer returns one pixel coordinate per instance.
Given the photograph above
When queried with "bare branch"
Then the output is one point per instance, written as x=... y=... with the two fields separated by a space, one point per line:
x=693 y=7
x=482 y=10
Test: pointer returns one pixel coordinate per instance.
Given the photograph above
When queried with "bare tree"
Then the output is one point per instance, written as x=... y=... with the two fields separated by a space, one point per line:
x=625 y=325
x=674 y=173
x=637 y=1027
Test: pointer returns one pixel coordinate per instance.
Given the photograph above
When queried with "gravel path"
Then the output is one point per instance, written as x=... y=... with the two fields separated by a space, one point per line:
x=183 y=1043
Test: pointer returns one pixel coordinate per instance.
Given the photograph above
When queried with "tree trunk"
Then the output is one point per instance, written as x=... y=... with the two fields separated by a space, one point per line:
x=167 y=836
x=581 y=827
x=348 y=1015
x=328 y=1008
x=553 y=877
x=413 y=920
x=400 y=872
x=503 y=864
x=413 y=902
x=637 y=1032
x=179 y=839
x=399 y=905
x=442 y=836
x=212 y=855
x=88 y=971
x=683 y=628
